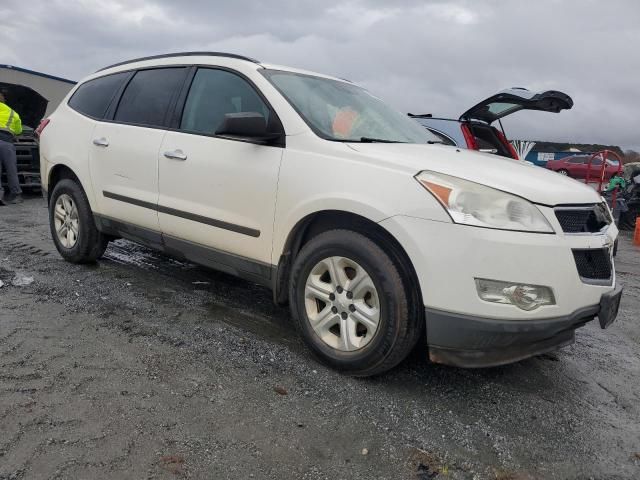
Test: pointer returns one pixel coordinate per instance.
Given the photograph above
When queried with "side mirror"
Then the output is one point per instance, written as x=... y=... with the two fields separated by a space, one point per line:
x=247 y=125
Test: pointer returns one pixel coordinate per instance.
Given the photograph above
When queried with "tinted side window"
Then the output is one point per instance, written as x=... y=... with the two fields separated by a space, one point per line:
x=215 y=93
x=93 y=97
x=576 y=160
x=146 y=99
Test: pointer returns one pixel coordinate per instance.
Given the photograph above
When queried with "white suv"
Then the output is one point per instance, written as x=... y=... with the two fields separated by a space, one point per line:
x=345 y=208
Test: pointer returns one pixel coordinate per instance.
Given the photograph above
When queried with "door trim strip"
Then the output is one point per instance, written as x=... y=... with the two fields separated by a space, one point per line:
x=251 y=232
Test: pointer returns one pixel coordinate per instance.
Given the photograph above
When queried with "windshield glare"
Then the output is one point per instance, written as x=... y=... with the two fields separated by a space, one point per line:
x=344 y=112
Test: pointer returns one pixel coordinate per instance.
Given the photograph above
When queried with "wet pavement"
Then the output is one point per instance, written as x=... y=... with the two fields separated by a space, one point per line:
x=147 y=367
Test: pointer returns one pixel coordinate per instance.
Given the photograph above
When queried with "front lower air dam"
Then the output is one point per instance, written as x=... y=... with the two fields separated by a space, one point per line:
x=525 y=297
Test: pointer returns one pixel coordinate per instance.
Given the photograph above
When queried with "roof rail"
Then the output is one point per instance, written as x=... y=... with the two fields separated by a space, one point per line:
x=183 y=54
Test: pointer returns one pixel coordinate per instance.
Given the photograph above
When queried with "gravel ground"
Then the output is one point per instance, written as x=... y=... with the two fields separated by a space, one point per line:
x=145 y=367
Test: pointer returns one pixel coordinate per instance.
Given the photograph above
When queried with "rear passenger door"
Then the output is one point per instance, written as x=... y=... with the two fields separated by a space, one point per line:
x=124 y=151
x=217 y=195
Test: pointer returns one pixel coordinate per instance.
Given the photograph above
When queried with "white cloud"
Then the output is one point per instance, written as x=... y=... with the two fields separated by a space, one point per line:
x=421 y=56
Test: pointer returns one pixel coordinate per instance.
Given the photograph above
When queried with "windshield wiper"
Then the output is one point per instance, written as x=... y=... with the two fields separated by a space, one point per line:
x=434 y=142
x=376 y=140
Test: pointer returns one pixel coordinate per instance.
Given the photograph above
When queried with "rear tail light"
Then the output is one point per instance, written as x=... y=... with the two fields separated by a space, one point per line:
x=469 y=138
x=43 y=123
x=507 y=144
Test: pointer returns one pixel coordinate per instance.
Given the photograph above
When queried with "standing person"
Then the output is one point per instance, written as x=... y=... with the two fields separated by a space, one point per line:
x=10 y=127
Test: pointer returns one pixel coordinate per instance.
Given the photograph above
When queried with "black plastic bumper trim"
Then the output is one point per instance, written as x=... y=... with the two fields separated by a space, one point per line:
x=471 y=341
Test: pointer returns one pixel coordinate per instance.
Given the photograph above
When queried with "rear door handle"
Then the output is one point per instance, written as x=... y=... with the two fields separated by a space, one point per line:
x=100 y=142
x=176 y=155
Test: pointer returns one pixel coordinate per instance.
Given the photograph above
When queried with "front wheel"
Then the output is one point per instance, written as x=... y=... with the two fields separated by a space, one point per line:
x=72 y=226
x=563 y=172
x=350 y=304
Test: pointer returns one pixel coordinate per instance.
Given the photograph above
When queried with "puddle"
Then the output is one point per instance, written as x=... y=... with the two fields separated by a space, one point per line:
x=262 y=318
x=278 y=329
x=128 y=253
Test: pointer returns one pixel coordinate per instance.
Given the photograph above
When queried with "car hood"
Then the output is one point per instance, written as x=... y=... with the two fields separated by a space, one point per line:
x=30 y=105
x=513 y=100
x=536 y=184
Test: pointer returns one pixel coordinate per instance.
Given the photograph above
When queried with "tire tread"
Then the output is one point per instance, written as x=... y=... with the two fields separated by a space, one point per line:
x=408 y=329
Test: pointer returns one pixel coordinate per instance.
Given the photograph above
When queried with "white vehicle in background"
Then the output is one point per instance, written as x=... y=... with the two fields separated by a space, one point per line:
x=342 y=206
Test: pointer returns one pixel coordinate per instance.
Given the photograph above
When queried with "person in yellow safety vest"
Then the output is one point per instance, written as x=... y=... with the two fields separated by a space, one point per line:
x=10 y=127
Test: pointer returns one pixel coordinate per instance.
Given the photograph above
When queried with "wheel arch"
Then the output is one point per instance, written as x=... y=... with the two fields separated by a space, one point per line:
x=321 y=221
x=59 y=172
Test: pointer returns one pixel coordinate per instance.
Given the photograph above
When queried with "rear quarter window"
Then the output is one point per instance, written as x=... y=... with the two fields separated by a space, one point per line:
x=146 y=99
x=92 y=98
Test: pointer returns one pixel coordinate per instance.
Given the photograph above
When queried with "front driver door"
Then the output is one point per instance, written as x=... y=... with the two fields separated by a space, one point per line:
x=216 y=195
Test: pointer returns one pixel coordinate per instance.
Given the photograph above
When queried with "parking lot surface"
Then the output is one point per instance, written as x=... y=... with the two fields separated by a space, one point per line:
x=146 y=367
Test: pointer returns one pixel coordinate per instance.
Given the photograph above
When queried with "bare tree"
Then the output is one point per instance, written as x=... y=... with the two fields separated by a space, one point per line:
x=631 y=156
x=523 y=147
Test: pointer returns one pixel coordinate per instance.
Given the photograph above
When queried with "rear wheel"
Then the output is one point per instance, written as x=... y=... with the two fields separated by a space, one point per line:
x=350 y=304
x=72 y=226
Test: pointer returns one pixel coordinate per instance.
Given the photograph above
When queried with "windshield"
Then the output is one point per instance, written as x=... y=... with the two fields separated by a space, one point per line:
x=341 y=111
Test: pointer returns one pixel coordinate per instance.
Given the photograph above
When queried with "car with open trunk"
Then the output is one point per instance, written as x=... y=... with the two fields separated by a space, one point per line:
x=476 y=128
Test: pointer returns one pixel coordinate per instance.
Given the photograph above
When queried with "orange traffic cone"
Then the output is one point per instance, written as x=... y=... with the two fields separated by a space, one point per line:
x=636 y=233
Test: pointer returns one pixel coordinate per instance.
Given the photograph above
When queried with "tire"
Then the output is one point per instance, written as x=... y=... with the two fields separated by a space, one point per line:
x=363 y=350
x=85 y=244
x=564 y=172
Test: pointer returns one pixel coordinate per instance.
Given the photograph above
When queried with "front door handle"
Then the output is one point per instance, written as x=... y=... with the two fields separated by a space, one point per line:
x=176 y=155
x=100 y=142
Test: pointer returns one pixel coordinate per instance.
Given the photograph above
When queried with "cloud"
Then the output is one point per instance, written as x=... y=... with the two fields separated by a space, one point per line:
x=439 y=56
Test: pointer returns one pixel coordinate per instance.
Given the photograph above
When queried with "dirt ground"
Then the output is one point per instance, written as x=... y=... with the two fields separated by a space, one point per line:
x=145 y=367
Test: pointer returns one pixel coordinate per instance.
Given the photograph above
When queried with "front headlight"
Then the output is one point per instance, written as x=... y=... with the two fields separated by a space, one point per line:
x=470 y=203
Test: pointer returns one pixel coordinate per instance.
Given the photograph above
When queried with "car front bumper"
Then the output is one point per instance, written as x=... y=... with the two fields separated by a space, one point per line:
x=471 y=342
x=462 y=329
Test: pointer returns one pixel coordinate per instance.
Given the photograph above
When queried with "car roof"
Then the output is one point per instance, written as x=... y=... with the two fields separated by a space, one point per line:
x=187 y=57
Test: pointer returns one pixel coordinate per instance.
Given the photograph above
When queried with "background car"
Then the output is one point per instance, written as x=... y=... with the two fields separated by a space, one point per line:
x=577 y=166
x=474 y=128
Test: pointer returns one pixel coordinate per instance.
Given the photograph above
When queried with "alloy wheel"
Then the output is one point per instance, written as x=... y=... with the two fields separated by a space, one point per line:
x=66 y=221
x=342 y=303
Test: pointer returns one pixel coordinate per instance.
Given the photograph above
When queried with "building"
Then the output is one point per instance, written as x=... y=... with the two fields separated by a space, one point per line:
x=33 y=95
x=54 y=89
x=541 y=158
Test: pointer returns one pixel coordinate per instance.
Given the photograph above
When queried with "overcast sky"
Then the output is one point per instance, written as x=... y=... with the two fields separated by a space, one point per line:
x=436 y=57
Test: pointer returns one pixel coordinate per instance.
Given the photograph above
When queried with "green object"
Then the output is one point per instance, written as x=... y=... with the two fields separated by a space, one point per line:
x=10 y=120
x=616 y=182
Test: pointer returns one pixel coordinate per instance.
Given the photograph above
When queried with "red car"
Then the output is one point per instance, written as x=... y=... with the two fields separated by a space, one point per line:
x=576 y=166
